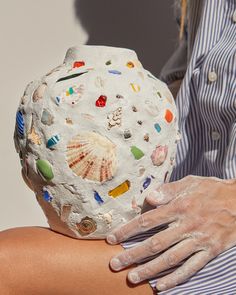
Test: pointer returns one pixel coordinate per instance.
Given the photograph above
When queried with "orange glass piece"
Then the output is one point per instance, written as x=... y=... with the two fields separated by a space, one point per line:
x=169 y=116
x=120 y=189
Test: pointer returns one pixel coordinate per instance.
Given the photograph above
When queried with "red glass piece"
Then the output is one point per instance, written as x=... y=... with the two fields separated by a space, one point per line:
x=101 y=101
x=78 y=64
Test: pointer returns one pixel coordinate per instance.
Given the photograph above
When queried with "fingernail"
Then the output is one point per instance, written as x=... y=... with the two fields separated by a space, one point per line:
x=133 y=277
x=111 y=239
x=161 y=287
x=115 y=264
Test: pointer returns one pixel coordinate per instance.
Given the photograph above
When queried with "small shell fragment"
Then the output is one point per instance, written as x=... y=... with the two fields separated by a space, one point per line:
x=127 y=134
x=69 y=121
x=114 y=118
x=47 y=118
x=119 y=96
x=146 y=137
x=86 y=226
x=65 y=212
x=141 y=170
x=34 y=137
x=159 y=155
x=120 y=189
x=134 y=109
x=39 y=92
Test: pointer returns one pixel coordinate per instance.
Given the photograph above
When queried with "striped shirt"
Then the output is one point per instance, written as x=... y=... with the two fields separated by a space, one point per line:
x=206 y=61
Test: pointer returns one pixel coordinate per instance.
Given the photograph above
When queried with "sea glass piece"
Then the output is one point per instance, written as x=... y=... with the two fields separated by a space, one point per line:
x=120 y=189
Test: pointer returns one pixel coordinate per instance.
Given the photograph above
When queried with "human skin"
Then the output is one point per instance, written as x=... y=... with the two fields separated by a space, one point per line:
x=39 y=261
x=201 y=213
x=36 y=260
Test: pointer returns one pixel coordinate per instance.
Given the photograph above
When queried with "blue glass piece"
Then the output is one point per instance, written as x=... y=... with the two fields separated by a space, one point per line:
x=157 y=127
x=47 y=196
x=147 y=182
x=58 y=100
x=20 y=124
x=98 y=198
x=53 y=141
x=115 y=72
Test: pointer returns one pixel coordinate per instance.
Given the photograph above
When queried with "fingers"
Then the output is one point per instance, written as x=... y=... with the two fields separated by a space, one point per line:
x=168 y=191
x=165 y=261
x=184 y=272
x=147 y=248
x=141 y=223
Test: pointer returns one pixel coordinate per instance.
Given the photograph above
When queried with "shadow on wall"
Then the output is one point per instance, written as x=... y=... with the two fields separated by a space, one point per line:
x=147 y=26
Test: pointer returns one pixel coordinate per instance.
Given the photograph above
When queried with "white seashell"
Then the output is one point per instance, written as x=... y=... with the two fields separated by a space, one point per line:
x=114 y=118
x=39 y=92
x=151 y=108
x=92 y=156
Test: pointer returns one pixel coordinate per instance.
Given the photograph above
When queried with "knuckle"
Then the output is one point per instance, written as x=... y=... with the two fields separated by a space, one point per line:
x=126 y=258
x=183 y=205
x=120 y=233
x=216 y=249
x=146 y=271
x=170 y=259
x=154 y=245
x=143 y=221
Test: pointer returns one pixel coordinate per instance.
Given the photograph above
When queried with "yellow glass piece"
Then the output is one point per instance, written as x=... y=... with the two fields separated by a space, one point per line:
x=120 y=189
x=135 y=87
x=67 y=93
x=130 y=64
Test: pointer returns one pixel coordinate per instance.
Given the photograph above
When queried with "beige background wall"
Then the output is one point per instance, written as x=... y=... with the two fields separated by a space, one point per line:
x=34 y=37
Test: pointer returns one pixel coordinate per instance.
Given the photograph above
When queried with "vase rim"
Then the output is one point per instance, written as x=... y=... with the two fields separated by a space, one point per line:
x=75 y=52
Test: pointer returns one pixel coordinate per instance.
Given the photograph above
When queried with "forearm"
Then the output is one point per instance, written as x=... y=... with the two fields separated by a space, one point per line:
x=35 y=260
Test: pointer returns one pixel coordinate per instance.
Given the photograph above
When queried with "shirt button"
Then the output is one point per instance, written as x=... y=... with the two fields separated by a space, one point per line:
x=215 y=135
x=212 y=77
x=234 y=17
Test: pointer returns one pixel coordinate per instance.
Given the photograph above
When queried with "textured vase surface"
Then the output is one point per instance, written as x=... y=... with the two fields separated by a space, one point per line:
x=94 y=136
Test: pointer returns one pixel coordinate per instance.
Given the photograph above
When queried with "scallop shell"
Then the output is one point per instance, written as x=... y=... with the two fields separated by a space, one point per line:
x=92 y=156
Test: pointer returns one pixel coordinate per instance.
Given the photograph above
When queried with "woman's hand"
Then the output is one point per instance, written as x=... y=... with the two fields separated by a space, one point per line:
x=201 y=213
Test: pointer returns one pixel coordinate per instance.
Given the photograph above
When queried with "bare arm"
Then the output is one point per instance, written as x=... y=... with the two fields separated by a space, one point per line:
x=36 y=260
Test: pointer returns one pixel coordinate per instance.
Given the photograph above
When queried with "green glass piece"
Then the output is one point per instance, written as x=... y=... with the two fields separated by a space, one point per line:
x=137 y=153
x=108 y=62
x=45 y=169
x=71 y=91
